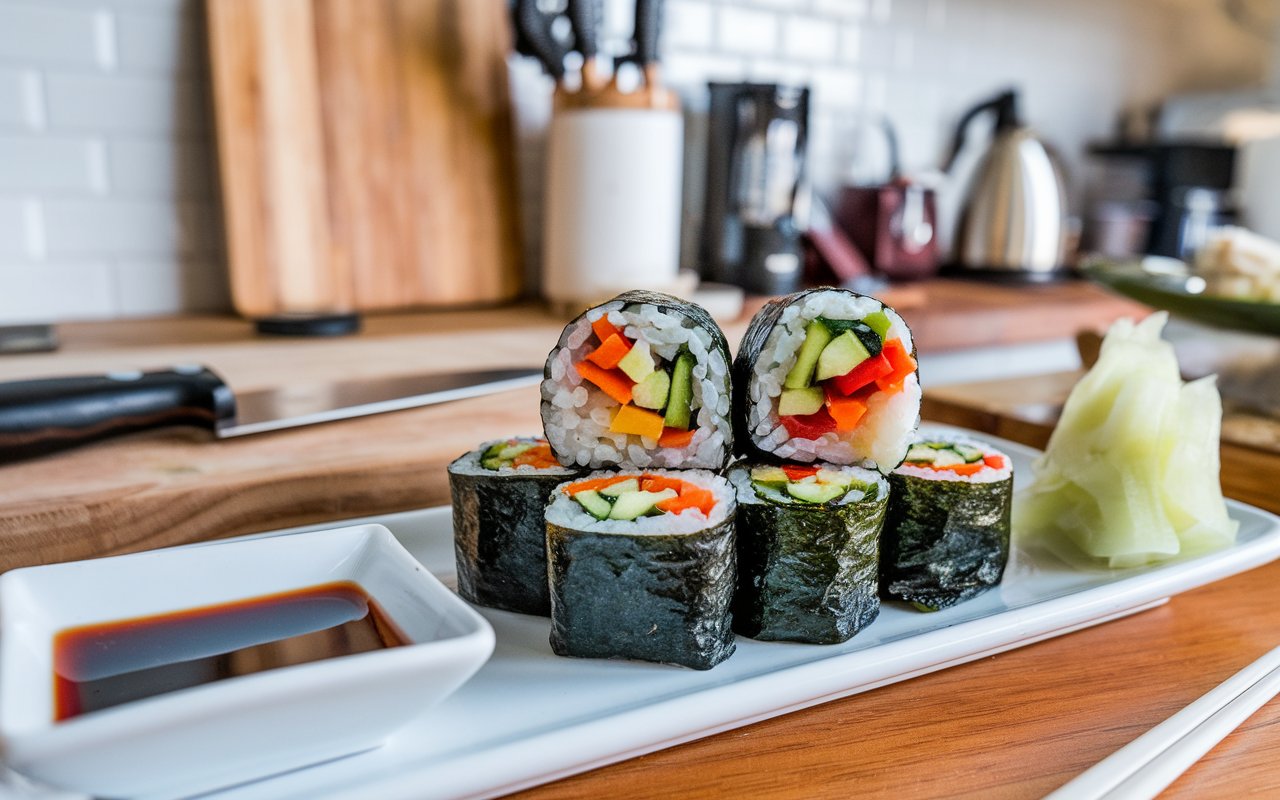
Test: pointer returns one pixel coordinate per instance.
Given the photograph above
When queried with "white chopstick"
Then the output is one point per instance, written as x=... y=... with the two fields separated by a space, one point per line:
x=1148 y=764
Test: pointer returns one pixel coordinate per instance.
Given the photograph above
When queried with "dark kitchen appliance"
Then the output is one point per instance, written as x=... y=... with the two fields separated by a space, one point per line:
x=1187 y=182
x=1013 y=222
x=755 y=161
x=894 y=224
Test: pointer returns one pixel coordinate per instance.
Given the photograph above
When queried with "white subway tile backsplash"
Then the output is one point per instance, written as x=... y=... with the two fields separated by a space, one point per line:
x=689 y=25
x=36 y=32
x=848 y=9
x=151 y=288
x=55 y=292
x=129 y=228
x=45 y=164
x=13 y=231
x=13 y=113
x=160 y=168
x=836 y=88
x=162 y=43
x=810 y=39
x=749 y=32
x=851 y=43
x=119 y=103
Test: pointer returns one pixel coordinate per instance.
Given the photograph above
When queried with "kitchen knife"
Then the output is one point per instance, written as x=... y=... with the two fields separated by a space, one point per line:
x=585 y=16
x=536 y=37
x=51 y=414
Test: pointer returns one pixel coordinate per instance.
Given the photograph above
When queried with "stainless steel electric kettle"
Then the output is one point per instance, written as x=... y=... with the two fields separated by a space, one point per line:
x=1013 y=221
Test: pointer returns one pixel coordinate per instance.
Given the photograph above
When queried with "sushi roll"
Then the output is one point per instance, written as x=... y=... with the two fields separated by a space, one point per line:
x=499 y=494
x=808 y=551
x=641 y=566
x=826 y=375
x=640 y=381
x=946 y=536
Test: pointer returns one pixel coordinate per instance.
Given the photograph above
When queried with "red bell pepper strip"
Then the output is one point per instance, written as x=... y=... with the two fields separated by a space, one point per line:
x=862 y=375
x=903 y=365
x=809 y=426
x=797 y=472
x=994 y=461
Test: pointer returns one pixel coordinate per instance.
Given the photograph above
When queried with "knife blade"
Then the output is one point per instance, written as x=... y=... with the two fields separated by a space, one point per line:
x=43 y=416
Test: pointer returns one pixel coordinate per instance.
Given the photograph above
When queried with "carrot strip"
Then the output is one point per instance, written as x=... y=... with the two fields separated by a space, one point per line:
x=594 y=484
x=673 y=437
x=692 y=497
x=903 y=365
x=613 y=382
x=994 y=461
x=610 y=353
x=539 y=456
x=631 y=419
x=959 y=469
x=846 y=411
x=656 y=483
x=604 y=329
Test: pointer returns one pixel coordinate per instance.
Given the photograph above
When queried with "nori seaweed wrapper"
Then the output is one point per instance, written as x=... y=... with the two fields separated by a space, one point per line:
x=808 y=573
x=651 y=597
x=944 y=541
x=666 y=303
x=499 y=536
x=749 y=352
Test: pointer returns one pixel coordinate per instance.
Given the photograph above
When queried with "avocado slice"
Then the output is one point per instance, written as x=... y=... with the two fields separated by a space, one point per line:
x=815 y=492
x=844 y=353
x=680 y=396
x=593 y=504
x=878 y=321
x=770 y=476
x=816 y=337
x=800 y=402
x=651 y=393
x=638 y=362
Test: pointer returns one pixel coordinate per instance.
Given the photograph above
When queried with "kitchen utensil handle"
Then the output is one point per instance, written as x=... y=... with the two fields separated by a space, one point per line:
x=648 y=29
x=585 y=16
x=38 y=417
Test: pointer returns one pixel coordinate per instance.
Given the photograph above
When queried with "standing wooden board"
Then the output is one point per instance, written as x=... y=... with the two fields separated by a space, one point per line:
x=365 y=151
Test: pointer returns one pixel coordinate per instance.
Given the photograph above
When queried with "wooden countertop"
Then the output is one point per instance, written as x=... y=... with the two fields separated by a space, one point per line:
x=1013 y=725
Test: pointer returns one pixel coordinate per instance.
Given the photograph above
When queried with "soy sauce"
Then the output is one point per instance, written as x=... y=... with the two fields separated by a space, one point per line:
x=104 y=665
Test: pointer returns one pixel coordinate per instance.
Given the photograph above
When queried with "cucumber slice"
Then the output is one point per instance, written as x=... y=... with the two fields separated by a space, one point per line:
x=970 y=455
x=680 y=397
x=771 y=476
x=921 y=453
x=869 y=338
x=878 y=321
x=510 y=452
x=621 y=487
x=493 y=450
x=593 y=504
x=947 y=458
x=651 y=393
x=816 y=337
x=799 y=402
x=814 y=492
x=843 y=353
x=638 y=362
x=634 y=505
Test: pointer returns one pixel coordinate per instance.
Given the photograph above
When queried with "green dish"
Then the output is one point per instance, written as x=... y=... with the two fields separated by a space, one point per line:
x=1176 y=294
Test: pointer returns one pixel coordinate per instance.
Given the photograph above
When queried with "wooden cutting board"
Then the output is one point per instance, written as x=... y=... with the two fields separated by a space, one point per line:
x=365 y=151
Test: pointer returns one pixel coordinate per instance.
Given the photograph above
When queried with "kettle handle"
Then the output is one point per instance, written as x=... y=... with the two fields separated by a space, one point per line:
x=1004 y=104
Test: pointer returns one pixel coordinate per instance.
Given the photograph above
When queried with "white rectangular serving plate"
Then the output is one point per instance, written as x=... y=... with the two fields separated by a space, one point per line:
x=529 y=717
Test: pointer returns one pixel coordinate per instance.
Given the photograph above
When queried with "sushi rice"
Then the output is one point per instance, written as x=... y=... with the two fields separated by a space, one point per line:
x=881 y=438
x=576 y=416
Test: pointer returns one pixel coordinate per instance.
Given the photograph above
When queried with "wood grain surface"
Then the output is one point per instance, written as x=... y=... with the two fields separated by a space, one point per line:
x=175 y=486
x=365 y=153
x=1015 y=725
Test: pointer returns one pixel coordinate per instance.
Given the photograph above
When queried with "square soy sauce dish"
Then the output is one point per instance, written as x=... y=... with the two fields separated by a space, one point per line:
x=176 y=672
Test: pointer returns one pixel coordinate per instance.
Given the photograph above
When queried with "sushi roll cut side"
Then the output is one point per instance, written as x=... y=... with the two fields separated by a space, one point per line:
x=946 y=536
x=641 y=381
x=499 y=493
x=808 y=551
x=641 y=566
x=827 y=375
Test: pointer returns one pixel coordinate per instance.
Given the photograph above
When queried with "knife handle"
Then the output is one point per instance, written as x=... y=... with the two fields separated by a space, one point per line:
x=44 y=416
